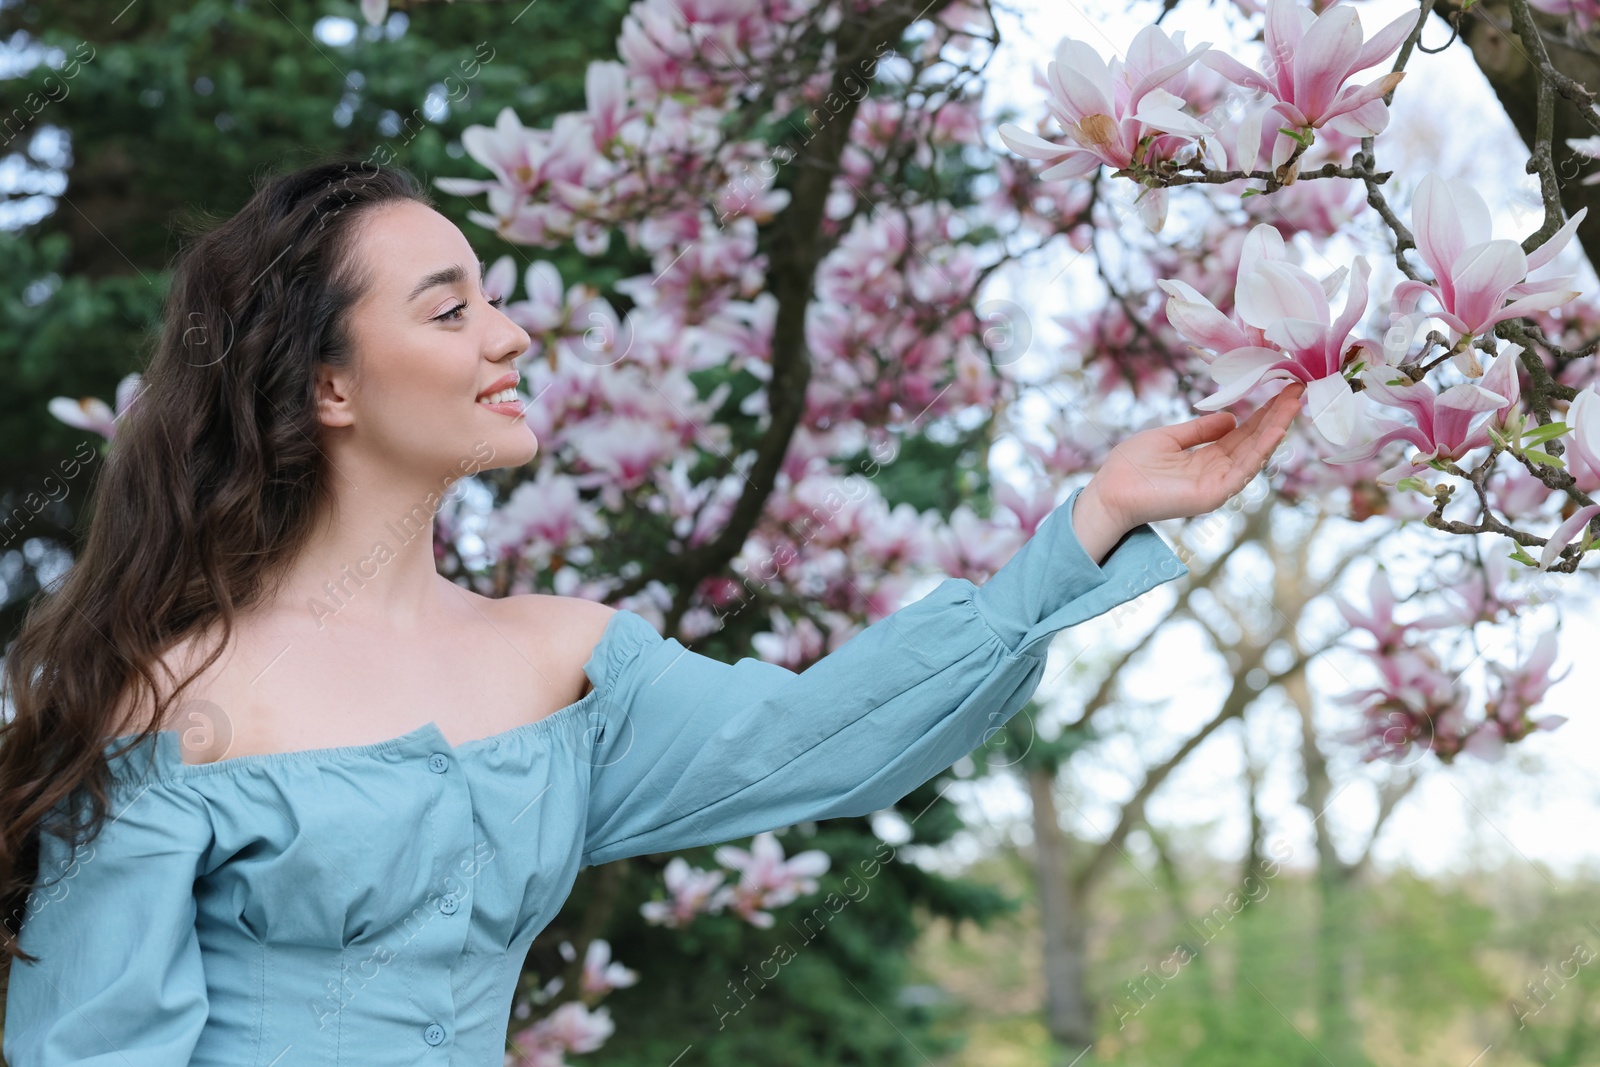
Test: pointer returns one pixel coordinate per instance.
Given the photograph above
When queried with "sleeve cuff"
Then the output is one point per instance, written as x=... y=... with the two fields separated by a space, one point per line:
x=1051 y=583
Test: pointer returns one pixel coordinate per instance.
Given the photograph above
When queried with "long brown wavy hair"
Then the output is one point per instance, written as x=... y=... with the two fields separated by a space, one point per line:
x=213 y=484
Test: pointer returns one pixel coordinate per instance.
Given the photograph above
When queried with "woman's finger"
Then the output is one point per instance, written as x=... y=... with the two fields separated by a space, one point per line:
x=1202 y=430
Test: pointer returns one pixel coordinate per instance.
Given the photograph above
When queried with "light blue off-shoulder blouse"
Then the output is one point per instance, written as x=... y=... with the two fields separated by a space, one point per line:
x=374 y=903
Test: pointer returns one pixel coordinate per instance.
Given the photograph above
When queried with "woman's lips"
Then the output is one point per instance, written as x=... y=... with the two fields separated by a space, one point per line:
x=509 y=407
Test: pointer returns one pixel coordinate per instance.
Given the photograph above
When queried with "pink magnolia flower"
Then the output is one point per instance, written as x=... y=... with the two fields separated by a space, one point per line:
x=572 y=1027
x=543 y=516
x=1030 y=508
x=1286 y=330
x=767 y=880
x=1475 y=274
x=967 y=546
x=543 y=181
x=1107 y=110
x=1583 y=446
x=605 y=85
x=1416 y=704
x=600 y=974
x=1310 y=57
x=92 y=413
x=1582 y=12
x=691 y=891
x=1379 y=619
x=1564 y=534
x=1515 y=692
x=1584 y=146
x=1447 y=426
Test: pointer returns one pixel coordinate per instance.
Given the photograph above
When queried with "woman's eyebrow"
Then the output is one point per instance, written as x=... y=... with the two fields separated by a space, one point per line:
x=446 y=276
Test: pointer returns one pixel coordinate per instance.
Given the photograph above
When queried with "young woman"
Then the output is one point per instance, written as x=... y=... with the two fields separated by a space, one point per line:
x=324 y=798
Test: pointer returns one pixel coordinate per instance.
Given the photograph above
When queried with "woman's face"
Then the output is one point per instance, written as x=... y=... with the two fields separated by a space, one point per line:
x=427 y=345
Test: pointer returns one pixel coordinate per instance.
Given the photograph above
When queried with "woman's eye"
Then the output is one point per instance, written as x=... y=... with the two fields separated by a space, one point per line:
x=454 y=314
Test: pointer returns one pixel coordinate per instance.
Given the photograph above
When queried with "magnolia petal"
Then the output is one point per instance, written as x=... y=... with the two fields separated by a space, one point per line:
x=1151 y=82
x=1415 y=397
x=1277 y=290
x=1583 y=415
x=86 y=413
x=1171 y=120
x=1085 y=84
x=1240 y=371
x=1149 y=51
x=1198 y=320
x=1283 y=146
x=1286 y=25
x=1380 y=594
x=1247 y=148
x=1262 y=243
x=1435 y=225
x=1237 y=72
x=1486 y=743
x=1408 y=294
x=1368 y=120
x=1297 y=335
x=1331 y=283
x=1502 y=378
x=1355 y=305
x=1530 y=286
x=1229 y=365
x=1385 y=42
x=1028 y=144
x=1395 y=432
x=1356 y=97
x=1565 y=533
x=1075 y=164
x=1404 y=468
x=1152 y=206
x=1480 y=277
x=1455 y=409
x=1536 y=302
x=1323 y=58
x=1333 y=408
x=1558 y=240
x=501 y=278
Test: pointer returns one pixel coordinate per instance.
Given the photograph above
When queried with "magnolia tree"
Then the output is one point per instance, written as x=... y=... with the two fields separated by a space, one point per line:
x=821 y=208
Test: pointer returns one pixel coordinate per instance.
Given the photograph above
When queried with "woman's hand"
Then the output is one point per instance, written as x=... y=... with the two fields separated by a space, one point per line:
x=1153 y=475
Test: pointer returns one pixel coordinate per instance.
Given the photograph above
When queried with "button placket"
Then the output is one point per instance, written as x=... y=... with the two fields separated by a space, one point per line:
x=451 y=828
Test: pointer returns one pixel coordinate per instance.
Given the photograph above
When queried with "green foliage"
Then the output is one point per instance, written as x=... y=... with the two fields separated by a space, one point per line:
x=1424 y=973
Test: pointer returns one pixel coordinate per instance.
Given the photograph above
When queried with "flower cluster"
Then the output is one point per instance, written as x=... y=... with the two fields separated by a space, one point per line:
x=766 y=880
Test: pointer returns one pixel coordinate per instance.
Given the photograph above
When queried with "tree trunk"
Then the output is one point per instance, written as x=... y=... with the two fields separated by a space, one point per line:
x=1500 y=54
x=1338 y=1036
x=1069 y=1013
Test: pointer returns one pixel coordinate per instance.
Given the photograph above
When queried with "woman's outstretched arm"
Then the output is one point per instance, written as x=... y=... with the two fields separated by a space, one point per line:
x=688 y=750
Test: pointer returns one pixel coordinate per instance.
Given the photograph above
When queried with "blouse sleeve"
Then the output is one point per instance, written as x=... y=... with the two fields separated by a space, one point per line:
x=692 y=751
x=119 y=981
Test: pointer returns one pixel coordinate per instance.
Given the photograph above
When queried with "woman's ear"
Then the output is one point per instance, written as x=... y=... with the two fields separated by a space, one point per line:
x=334 y=391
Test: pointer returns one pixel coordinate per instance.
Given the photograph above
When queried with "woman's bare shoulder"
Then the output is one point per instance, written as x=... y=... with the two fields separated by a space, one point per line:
x=563 y=629
x=133 y=708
